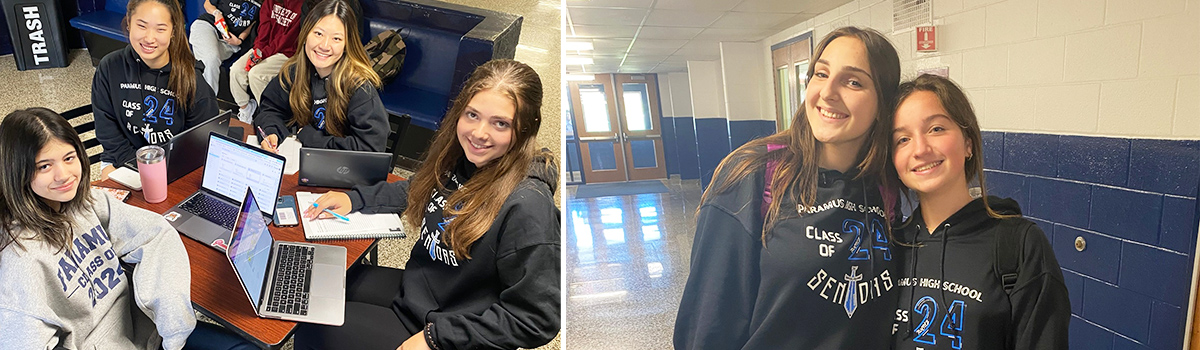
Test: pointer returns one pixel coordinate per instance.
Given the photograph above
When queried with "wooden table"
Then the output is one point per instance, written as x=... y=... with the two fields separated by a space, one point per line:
x=216 y=291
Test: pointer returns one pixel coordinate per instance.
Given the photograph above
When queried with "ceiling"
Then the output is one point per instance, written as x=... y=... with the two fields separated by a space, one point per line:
x=658 y=36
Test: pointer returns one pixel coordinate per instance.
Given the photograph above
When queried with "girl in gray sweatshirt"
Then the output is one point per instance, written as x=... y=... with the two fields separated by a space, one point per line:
x=71 y=258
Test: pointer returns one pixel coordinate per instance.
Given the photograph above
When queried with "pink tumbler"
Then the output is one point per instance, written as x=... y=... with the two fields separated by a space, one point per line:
x=152 y=167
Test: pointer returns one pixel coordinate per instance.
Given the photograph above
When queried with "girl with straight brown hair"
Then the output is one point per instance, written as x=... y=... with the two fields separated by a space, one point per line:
x=792 y=249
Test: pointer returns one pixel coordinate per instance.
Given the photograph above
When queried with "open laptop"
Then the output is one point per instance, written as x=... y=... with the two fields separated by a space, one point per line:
x=342 y=169
x=185 y=149
x=230 y=166
x=292 y=281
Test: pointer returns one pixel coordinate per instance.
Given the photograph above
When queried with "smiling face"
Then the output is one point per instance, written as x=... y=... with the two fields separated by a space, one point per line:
x=56 y=173
x=841 y=103
x=325 y=44
x=485 y=127
x=150 y=33
x=930 y=148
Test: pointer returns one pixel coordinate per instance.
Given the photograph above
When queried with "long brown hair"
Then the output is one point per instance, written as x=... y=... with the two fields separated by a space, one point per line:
x=958 y=106
x=350 y=72
x=23 y=134
x=182 y=79
x=484 y=194
x=796 y=175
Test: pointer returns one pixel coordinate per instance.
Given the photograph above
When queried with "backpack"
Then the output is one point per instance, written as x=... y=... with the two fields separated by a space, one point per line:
x=386 y=51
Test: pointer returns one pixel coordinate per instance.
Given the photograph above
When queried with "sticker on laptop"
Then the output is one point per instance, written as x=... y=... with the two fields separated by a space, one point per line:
x=171 y=216
x=220 y=243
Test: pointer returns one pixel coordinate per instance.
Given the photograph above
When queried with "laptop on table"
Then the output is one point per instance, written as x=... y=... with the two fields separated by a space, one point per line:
x=230 y=167
x=185 y=149
x=292 y=281
x=342 y=169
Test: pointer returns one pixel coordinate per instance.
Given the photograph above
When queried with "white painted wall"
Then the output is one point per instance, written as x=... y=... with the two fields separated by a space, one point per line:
x=745 y=90
x=705 y=80
x=1124 y=68
x=664 y=95
x=681 y=94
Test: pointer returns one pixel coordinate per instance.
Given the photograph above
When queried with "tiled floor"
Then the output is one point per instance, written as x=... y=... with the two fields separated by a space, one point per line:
x=627 y=262
x=61 y=89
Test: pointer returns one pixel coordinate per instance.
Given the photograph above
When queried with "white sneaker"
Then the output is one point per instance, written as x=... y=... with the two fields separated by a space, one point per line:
x=246 y=114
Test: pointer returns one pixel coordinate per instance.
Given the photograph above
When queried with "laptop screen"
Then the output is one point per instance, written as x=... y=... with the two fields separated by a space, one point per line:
x=250 y=248
x=233 y=166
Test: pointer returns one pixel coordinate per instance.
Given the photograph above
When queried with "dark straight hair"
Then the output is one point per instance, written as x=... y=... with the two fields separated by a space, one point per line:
x=23 y=134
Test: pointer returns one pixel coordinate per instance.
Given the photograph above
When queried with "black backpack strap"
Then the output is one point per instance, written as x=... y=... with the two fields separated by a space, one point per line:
x=1008 y=256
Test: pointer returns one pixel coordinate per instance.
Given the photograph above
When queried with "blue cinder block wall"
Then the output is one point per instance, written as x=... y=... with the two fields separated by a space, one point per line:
x=1134 y=202
x=685 y=137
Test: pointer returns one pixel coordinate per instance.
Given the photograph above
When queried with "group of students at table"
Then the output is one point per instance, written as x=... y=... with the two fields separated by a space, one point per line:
x=484 y=195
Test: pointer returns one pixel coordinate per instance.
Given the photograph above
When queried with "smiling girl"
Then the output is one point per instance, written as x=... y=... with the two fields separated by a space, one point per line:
x=327 y=96
x=484 y=273
x=63 y=247
x=148 y=92
x=952 y=238
x=792 y=249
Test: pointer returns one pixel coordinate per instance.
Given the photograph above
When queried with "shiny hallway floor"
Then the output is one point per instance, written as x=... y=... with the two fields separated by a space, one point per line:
x=626 y=265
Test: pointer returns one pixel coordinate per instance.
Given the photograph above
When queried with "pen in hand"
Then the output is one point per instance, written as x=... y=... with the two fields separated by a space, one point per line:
x=264 y=137
x=339 y=216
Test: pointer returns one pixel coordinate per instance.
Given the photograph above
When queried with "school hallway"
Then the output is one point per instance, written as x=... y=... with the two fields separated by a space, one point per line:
x=627 y=262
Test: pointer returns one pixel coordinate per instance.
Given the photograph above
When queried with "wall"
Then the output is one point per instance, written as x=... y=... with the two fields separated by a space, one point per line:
x=709 y=108
x=744 y=93
x=683 y=122
x=1090 y=107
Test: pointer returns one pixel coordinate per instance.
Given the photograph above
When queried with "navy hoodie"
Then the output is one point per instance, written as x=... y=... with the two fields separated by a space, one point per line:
x=951 y=297
x=366 y=127
x=824 y=280
x=134 y=106
x=507 y=295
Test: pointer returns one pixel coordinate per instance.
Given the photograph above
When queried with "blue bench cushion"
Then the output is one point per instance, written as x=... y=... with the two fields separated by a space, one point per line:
x=105 y=23
x=425 y=107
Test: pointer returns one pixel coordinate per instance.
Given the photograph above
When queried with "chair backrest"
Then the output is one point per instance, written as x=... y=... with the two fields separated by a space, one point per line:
x=74 y=116
x=398 y=124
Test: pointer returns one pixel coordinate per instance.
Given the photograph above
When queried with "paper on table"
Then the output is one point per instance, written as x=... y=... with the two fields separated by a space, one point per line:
x=369 y=225
x=290 y=149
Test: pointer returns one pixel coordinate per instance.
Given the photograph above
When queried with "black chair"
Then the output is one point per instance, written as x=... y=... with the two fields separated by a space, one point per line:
x=82 y=128
x=398 y=124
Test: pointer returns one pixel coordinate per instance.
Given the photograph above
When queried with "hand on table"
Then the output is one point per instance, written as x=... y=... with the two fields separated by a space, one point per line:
x=104 y=172
x=415 y=342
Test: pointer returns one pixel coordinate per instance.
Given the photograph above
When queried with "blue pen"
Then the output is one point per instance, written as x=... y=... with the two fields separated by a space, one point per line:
x=339 y=216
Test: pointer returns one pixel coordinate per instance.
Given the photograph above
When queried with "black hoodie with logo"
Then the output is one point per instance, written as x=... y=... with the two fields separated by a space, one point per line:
x=824 y=280
x=507 y=295
x=366 y=127
x=952 y=298
x=134 y=106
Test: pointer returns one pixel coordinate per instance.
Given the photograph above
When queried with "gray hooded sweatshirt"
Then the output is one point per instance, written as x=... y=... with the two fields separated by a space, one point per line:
x=81 y=297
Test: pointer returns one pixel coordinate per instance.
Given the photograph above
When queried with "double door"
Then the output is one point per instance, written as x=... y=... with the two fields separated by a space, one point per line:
x=616 y=120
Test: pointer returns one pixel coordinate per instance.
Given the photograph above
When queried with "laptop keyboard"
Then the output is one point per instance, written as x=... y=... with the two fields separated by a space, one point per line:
x=293 y=277
x=212 y=209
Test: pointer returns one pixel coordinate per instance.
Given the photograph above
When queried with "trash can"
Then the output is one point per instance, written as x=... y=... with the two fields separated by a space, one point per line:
x=36 y=29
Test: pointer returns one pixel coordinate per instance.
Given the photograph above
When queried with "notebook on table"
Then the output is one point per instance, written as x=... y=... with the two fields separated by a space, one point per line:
x=292 y=281
x=360 y=226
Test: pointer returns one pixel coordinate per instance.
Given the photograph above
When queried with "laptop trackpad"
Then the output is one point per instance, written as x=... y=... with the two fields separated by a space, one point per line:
x=328 y=281
x=204 y=231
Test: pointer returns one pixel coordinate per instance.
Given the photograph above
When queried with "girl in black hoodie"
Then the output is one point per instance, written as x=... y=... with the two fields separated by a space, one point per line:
x=148 y=92
x=328 y=94
x=484 y=273
x=952 y=293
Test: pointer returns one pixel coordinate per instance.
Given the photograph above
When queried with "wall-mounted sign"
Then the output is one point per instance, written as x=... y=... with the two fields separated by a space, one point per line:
x=926 y=38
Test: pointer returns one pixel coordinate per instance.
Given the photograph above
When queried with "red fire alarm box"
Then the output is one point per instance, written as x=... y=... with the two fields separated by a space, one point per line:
x=926 y=39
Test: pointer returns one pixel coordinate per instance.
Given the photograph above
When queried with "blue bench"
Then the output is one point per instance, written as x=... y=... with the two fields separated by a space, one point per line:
x=100 y=23
x=445 y=42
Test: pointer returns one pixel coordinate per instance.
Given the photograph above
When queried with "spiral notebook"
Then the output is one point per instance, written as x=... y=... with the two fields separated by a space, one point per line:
x=361 y=226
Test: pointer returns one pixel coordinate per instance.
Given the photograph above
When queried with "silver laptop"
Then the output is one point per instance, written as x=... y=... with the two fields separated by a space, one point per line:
x=292 y=281
x=185 y=149
x=230 y=166
x=342 y=169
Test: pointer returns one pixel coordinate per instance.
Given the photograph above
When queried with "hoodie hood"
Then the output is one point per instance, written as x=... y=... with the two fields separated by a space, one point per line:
x=970 y=219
